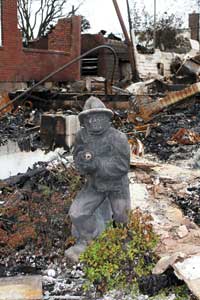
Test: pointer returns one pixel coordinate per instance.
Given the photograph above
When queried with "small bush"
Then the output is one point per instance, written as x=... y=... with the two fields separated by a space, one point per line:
x=121 y=253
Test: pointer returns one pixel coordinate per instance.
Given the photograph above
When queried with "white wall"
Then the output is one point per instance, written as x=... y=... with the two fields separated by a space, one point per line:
x=147 y=63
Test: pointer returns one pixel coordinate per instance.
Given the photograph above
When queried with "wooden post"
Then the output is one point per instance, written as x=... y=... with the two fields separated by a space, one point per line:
x=128 y=41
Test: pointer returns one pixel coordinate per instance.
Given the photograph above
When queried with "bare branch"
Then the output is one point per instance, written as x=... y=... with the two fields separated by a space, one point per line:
x=76 y=9
x=35 y=16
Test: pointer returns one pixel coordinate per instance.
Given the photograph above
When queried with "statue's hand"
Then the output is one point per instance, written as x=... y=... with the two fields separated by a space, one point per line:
x=86 y=162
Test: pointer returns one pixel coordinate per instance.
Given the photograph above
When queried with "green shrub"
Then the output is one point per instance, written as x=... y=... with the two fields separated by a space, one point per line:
x=121 y=253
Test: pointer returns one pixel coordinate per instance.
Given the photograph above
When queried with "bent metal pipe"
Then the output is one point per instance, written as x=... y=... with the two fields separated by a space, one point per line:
x=62 y=68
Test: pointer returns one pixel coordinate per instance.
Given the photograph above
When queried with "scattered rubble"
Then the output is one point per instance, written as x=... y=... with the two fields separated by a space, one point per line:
x=161 y=118
x=164 y=181
x=35 y=228
x=148 y=111
x=158 y=186
x=23 y=124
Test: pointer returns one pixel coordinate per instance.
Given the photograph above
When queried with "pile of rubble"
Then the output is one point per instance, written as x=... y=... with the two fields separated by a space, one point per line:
x=28 y=202
x=34 y=223
x=177 y=134
x=35 y=228
x=169 y=133
x=21 y=126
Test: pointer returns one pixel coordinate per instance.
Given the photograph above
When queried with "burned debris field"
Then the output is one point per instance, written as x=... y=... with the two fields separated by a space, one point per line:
x=34 y=221
x=177 y=135
x=88 y=120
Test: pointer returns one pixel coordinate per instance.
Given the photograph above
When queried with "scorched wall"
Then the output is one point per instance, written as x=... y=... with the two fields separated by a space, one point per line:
x=18 y=64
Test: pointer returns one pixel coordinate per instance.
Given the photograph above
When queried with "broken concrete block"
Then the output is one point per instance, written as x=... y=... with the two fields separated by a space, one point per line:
x=182 y=231
x=139 y=195
x=59 y=130
x=175 y=215
x=72 y=126
x=166 y=261
x=21 y=288
x=189 y=271
x=140 y=88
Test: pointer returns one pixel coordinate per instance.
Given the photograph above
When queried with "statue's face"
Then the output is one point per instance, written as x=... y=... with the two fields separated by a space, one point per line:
x=97 y=123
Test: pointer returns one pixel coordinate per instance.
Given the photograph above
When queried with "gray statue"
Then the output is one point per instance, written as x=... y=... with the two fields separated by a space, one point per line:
x=102 y=154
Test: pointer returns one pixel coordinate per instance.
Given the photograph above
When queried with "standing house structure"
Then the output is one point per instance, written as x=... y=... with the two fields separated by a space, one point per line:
x=19 y=64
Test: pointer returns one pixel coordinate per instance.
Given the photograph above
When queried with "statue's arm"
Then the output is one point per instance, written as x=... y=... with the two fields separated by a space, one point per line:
x=83 y=159
x=78 y=145
x=116 y=164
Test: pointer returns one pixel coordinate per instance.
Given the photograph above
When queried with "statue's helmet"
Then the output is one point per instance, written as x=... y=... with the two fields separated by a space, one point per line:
x=94 y=105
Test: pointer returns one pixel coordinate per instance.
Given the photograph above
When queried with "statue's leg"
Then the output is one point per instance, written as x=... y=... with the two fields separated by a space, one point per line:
x=87 y=222
x=120 y=203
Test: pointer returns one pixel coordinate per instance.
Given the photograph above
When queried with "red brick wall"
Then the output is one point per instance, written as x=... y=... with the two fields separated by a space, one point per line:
x=20 y=64
x=57 y=40
x=41 y=43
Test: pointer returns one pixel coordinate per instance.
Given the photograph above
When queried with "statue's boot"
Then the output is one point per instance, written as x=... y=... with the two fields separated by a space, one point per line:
x=74 y=252
x=88 y=227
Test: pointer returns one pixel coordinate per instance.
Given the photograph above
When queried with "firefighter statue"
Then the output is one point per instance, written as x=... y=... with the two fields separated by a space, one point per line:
x=102 y=154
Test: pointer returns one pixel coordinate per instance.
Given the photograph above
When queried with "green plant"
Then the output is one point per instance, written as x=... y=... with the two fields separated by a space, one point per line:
x=121 y=253
x=180 y=293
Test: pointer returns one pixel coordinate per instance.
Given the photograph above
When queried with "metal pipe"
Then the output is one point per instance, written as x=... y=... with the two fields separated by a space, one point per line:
x=62 y=68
